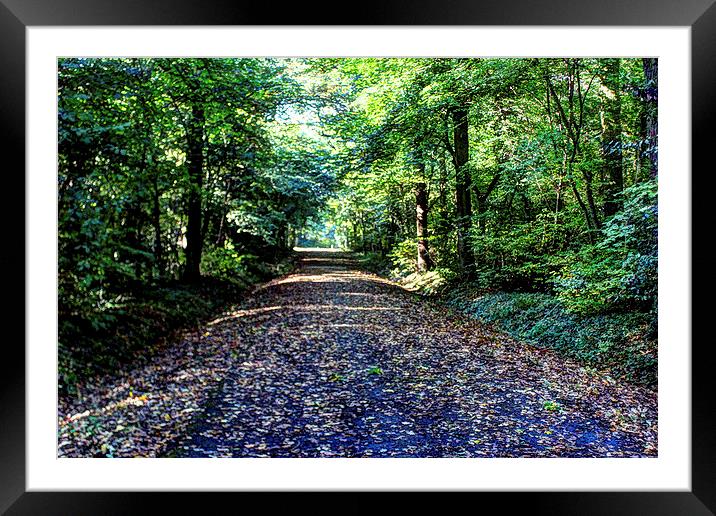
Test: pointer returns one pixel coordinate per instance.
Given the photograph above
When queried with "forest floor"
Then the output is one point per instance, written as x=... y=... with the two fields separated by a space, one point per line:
x=332 y=361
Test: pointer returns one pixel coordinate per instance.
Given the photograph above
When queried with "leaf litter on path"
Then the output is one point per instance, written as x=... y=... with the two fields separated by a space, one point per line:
x=334 y=362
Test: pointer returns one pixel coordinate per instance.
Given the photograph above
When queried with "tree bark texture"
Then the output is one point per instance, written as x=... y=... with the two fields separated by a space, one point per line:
x=195 y=164
x=611 y=139
x=651 y=98
x=421 y=220
x=463 y=200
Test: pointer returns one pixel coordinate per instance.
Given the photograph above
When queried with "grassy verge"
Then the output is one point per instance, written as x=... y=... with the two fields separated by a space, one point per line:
x=625 y=344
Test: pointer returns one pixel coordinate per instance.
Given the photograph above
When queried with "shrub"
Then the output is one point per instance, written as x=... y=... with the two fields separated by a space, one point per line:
x=375 y=262
x=428 y=283
x=100 y=341
x=625 y=344
x=226 y=263
x=618 y=273
x=403 y=256
x=523 y=257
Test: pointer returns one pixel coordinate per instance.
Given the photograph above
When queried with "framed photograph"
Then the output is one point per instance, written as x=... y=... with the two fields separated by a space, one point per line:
x=324 y=162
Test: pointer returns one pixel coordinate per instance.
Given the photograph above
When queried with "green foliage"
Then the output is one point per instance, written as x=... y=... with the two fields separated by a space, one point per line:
x=538 y=186
x=320 y=233
x=539 y=191
x=551 y=406
x=336 y=152
x=227 y=264
x=124 y=188
x=431 y=283
x=620 y=271
x=133 y=327
x=523 y=257
x=623 y=343
x=375 y=262
x=403 y=258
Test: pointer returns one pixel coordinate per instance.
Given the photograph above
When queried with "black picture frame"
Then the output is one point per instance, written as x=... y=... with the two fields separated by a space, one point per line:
x=17 y=15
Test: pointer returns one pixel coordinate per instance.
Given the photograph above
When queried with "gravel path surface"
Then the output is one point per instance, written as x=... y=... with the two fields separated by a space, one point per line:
x=334 y=362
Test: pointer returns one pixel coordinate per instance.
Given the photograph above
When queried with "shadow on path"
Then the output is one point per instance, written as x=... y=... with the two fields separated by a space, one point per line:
x=334 y=362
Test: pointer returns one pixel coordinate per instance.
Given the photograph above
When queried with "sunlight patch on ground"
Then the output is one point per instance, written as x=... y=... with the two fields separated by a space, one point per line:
x=324 y=352
x=348 y=308
x=318 y=250
x=244 y=313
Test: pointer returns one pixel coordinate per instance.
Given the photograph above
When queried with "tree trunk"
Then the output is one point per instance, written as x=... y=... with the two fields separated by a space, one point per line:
x=363 y=246
x=590 y=199
x=156 y=222
x=463 y=201
x=611 y=139
x=421 y=219
x=195 y=162
x=282 y=238
x=134 y=221
x=651 y=97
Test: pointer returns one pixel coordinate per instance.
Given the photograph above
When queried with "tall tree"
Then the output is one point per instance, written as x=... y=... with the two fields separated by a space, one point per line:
x=463 y=179
x=651 y=97
x=611 y=137
x=195 y=166
x=571 y=120
x=424 y=262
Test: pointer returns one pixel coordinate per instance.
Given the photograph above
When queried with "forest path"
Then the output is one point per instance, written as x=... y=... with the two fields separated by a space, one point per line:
x=331 y=361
